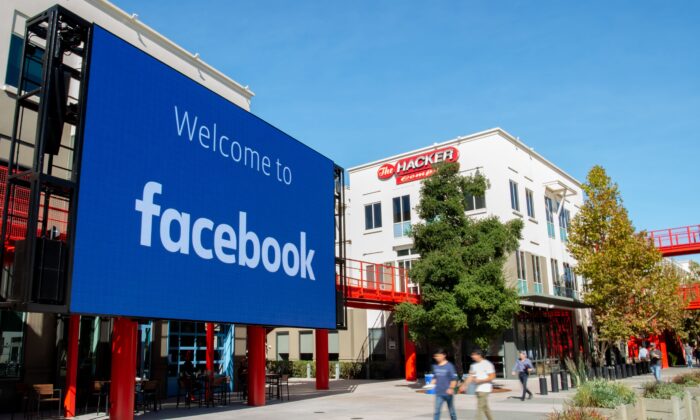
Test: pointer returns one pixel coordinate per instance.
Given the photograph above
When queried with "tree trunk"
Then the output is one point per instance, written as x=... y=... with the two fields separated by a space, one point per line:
x=602 y=349
x=457 y=352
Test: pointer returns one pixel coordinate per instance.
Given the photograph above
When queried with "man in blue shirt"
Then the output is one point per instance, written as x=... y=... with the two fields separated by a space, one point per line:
x=522 y=367
x=445 y=381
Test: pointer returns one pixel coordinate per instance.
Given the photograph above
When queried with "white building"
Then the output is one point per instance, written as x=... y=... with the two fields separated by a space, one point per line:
x=382 y=198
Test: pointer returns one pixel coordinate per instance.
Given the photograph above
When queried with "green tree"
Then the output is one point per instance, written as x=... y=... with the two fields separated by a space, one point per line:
x=629 y=289
x=460 y=272
x=694 y=269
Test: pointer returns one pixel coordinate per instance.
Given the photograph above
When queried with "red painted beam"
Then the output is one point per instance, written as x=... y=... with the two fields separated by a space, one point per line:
x=409 y=356
x=72 y=365
x=210 y=347
x=210 y=358
x=123 y=381
x=322 y=359
x=256 y=366
x=678 y=250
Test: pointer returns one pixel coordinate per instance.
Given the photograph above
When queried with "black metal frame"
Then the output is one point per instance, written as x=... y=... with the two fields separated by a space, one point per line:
x=61 y=34
x=340 y=262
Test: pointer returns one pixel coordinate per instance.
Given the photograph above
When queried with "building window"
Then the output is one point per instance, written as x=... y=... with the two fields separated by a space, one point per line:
x=514 y=202
x=555 y=277
x=373 y=216
x=33 y=64
x=474 y=202
x=404 y=281
x=11 y=344
x=282 y=345
x=521 y=271
x=306 y=345
x=333 y=346
x=537 y=274
x=405 y=252
x=564 y=225
x=402 y=216
x=377 y=344
x=549 y=211
x=187 y=341
x=570 y=282
x=530 y=202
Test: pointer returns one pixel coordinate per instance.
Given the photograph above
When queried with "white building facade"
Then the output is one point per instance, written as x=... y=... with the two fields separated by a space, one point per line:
x=382 y=201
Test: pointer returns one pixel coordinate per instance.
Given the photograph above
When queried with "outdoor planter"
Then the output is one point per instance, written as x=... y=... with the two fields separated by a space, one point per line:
x=685 y=408
x=622 y=412
x=673 y=409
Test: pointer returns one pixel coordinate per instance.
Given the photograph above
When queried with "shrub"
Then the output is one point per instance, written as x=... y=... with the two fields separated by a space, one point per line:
x=297 y=368
x=576 y=413
x=603 y=394
x=579 y=373
x=673 y=359
x=350 y=370
x=663 y=390
x=687 y=379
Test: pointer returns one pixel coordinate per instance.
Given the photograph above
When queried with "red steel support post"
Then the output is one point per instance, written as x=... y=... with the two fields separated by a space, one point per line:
x=410 y=355
x=123 y=382
x=322 y=359
x=210 y=347
x=664 y=351
x=71 y=365
x=210 y=357
x=256 y=365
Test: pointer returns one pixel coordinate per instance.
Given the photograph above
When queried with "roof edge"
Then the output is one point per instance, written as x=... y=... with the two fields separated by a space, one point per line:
x=471 y=137
x=180 y=52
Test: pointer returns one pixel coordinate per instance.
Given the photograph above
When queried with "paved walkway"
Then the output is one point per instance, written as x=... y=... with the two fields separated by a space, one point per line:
x=365 y=400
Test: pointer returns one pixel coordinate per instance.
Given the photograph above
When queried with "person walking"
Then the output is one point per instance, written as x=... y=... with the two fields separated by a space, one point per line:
x=523 y=367
x=688 y=354
x=644 y=357
x=445 y=381
x=655 y=361
x=481 y=373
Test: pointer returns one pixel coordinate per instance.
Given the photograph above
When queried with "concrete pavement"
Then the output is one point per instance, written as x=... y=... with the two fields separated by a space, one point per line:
x=365 y=400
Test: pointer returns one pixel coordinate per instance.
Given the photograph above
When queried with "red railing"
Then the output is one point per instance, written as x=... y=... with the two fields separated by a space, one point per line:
x=690 y=293
x=19 y=211
x=378 y=286
x=677 y=241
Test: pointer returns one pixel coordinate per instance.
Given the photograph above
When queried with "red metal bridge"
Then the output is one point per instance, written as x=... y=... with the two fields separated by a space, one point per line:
x=680 y=241
x=677 y=241
x=378 y=286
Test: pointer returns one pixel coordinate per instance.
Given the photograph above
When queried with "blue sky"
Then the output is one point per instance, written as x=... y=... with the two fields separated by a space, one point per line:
x=584 y=83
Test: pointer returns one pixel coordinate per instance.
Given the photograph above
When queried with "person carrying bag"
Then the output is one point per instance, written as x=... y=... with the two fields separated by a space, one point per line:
x=523 y=366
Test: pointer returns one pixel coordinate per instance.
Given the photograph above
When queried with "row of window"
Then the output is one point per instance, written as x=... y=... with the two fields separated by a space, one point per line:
x=402 y=213
x=306 y=345
x=566 y=286
x=550 y=209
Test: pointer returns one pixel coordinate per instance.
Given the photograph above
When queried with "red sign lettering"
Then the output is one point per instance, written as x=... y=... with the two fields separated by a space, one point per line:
x=417 y=167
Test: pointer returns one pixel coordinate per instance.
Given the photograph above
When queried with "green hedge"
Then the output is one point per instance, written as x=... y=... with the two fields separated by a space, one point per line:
x=687 y=379
x=603 y=394
x=297 y=368
x=663 y=390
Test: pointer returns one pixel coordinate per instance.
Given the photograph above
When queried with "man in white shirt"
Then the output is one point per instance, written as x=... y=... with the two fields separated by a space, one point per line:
x=481 y=373
x=644 y=357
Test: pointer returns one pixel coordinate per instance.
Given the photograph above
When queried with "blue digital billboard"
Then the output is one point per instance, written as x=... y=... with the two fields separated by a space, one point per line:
x=190 y=207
